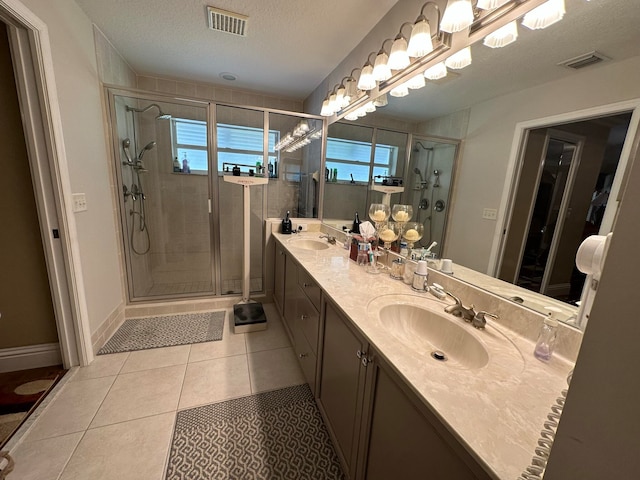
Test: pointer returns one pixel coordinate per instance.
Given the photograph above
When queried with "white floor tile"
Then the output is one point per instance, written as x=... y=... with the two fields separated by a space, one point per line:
x=102 y=366
x=272 y=369
x=273 y=337
x=133 y=450
x=141 y=394
x=214 y=380
x=231 y=344
x=156 y=358
x=43 y=459
x=72 y=410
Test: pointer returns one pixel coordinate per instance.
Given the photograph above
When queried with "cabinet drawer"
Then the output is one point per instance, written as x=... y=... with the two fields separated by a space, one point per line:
x=308 y=322
x=309 y=287
x=307 y=359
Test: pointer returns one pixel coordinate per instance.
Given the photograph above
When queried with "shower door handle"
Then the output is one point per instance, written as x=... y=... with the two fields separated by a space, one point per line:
x=209 y=204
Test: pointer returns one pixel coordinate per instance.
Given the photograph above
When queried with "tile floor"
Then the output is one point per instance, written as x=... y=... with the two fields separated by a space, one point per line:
x=114 y=419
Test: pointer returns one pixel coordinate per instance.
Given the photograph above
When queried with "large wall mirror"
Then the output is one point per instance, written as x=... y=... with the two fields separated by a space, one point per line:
x=537 y=159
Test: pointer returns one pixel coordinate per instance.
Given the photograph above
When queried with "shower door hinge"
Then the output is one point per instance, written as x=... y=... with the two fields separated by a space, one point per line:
x=56 y=233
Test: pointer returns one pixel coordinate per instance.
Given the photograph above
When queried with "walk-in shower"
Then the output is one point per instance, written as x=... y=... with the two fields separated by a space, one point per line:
x=432 y=163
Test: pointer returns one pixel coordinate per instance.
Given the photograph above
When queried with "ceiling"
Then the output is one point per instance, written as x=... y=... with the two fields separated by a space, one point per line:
x=290 y=46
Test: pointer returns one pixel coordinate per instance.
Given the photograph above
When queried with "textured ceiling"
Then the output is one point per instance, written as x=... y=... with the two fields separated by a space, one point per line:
x=290 y=47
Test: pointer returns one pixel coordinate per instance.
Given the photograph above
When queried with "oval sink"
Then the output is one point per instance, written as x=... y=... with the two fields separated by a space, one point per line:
x=426 y=332
x=309 y=244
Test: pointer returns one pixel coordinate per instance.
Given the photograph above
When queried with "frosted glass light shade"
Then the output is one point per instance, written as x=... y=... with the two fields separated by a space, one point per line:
x=438 y=71
x=381 y=101
x=416 y=82
x=325 y=111
x=351 y=116
x=381 y=70
x=366 y=81
x=420 y=42
x=457 y=16
x=490 y=4
x=351 y=90
x=546 y=14
x=400 y=91
x=340 y=97
x=399 y=58
x=459 y=60
x=503 y=36
x=361 y=112
x=333 y=103
x=369 y=107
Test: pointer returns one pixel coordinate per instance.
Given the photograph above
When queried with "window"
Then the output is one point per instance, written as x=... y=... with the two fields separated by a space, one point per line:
x=351 y=158
x=236 y=144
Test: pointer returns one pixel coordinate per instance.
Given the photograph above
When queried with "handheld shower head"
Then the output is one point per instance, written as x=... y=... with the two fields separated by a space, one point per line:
x=418 y=172
x=148 y=146
x=126 y=143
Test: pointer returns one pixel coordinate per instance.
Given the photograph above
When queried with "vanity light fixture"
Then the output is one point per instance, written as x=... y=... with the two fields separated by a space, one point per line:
x=503 y=36
x=401 y=90
x=399 y=58
x=490 y=4
x=420 y=42
x=546 y=14
x=366 y=81
x=460 y=59
x=416 y=82
x=457 y=16
x=438 y=71
x=381 y=70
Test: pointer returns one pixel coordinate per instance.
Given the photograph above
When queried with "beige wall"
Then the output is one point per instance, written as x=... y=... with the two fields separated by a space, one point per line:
x=25 y=297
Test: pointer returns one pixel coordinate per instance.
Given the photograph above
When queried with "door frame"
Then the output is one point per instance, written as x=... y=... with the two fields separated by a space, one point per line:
x=42 y=123
x=515 y=162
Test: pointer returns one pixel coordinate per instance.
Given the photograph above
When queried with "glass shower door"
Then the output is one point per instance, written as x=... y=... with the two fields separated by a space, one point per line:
x=163 y=177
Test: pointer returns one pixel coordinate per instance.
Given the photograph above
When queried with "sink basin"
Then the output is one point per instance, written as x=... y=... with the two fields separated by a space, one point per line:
x=429 y=333
x=308 y=244
x=423 y=330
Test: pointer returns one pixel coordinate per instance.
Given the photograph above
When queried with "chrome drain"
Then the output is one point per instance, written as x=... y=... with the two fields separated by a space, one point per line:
x=438 y=355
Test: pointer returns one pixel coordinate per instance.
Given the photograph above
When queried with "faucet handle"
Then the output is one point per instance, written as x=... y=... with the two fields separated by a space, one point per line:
x=479 y=320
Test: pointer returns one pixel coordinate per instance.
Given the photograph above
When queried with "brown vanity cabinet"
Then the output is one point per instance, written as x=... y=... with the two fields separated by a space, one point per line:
x=278 y=278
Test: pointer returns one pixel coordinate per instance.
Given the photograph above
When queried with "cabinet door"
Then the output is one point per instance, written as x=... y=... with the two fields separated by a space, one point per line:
x=291 y=295
x=404 y=439
x=342 y=384
x=278 y=279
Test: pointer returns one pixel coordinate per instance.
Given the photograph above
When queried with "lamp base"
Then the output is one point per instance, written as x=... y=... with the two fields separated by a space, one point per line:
x=248 y=317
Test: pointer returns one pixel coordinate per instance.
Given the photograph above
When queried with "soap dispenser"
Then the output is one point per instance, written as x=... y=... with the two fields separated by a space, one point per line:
x=547 y=338
x=286 y=224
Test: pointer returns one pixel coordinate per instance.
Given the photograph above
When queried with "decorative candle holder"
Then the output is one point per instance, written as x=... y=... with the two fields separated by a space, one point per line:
x=412 y=233
x=379 y=214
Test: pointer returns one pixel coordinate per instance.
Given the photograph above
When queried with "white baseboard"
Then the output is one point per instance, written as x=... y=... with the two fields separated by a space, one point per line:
x=32 y=356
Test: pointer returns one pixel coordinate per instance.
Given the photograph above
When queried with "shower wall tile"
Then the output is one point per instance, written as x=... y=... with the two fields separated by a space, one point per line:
x=165 y=85
x=112 y=67
x=185 y=88
x=449 y=126
x=147 y=83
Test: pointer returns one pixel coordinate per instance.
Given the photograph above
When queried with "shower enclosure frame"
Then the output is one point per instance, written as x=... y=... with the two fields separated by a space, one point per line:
x=111 y=91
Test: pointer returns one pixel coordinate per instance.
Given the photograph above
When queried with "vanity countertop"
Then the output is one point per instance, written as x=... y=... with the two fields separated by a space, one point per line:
x=497 y=413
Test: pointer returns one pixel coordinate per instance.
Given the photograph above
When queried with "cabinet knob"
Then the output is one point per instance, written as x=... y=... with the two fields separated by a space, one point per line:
x=303 y=355
x=303 y=317
x=360 y=354
x=305 y=284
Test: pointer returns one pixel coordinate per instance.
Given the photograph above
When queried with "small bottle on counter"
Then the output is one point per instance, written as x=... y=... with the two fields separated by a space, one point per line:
x=176 y=165
x=546 y=339
x=355 y=228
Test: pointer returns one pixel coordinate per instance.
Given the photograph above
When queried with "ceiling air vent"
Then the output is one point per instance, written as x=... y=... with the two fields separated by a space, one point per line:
x=227 y=22
x=585 y=60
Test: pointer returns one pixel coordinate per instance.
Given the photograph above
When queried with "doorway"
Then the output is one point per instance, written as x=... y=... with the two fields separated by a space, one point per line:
x=565 y=178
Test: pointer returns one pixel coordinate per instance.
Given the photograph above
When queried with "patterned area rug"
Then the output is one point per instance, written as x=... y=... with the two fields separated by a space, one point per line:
x=271 y=435
x=167 y=331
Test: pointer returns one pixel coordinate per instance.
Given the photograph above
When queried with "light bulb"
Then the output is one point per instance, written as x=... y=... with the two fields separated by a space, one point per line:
x=457 y=16
x=398 y=58
x=544 y=15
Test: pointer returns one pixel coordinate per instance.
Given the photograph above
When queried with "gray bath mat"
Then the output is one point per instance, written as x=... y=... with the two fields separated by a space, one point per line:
x=167 y=331
x=271 y=435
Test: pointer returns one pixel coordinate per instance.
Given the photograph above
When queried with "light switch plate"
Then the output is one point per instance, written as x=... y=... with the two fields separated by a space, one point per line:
x=79 y=202
x=490 y=213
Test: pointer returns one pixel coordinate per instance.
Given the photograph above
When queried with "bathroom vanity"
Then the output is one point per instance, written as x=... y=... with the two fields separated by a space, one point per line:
x=393 y=410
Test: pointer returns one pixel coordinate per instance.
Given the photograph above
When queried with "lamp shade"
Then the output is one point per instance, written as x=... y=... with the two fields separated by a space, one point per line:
x=381 y=101
x=351 y=116
x=399 y=58
x=350 y=90
x=503 y=36
x=381 y=70
x=400 y=91
x=544 y=15
x=416 y=82
x=460 y=59
x=325 y=111
x=438 y=71
x=366 y=81
x=457 y=16
x=420 y=42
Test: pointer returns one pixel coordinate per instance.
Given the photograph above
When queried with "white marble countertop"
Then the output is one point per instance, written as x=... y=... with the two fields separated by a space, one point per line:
x=496 y=411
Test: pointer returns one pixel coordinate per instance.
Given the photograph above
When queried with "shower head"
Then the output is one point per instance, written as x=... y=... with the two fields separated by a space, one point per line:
x=419 y=144
x=148 y=146
x=418 y=172
x=161 y=115
x=126 y=143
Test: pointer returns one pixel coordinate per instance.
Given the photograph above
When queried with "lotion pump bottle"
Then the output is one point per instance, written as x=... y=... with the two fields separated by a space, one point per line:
x=546 y=339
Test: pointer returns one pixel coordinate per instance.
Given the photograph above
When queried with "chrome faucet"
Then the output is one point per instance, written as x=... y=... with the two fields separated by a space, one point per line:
x=479 y=321
x=330 y=239
x=459 y=310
